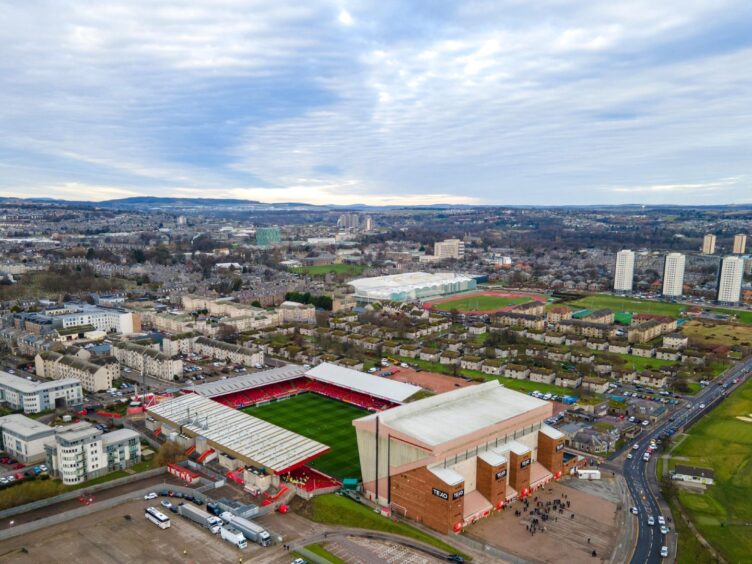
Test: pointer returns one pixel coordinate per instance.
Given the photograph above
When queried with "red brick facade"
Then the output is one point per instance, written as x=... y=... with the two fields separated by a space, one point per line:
x=491 y=481
x=427 y=499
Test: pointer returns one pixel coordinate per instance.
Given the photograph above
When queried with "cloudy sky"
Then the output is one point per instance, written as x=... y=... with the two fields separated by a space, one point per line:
x=489 y=101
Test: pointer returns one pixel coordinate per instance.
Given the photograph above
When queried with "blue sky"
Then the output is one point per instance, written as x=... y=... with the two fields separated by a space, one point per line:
x=489 y=102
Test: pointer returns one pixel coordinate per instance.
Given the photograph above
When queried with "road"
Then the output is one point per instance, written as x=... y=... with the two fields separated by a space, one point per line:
x=640 y=476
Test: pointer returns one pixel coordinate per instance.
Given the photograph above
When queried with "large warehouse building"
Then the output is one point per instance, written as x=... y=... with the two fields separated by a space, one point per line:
x=411 y=286
x=450 y=459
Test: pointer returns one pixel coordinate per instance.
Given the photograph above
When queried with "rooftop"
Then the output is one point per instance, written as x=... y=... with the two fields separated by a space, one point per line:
x=258 y=442
x=360 y=382
x=28 y=387
x=439 y=419
x=24 y=426
x=248 y=381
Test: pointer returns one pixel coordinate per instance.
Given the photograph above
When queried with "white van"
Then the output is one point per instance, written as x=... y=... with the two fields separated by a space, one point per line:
x=646 y=457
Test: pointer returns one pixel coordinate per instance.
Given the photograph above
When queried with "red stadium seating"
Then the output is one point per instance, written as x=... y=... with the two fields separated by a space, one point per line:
x=263 y=394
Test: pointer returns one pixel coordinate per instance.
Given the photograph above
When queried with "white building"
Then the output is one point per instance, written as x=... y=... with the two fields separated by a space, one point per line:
x=35 y=397
x=624 y=273
x=730 y=280
x=24 y=438
x=109 y=320
x=81 y=452
x=708 y=244
x=673 y=274
x=740 y=244
x=295 y=312
x=449 y=249
x=411 y=286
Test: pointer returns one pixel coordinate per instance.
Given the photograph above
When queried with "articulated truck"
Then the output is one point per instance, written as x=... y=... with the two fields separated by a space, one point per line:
x=252 y=531
x=233 y=535
x=201 y=517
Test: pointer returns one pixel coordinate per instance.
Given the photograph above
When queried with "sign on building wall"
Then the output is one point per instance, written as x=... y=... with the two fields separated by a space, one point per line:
x=439 y=493
x=526 y=462
x=458 y=494
x=501 y=474
x=559 y=447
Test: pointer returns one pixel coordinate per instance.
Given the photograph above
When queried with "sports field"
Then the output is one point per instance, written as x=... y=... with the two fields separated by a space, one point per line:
x=479 y=303
x=617 y=303
x=321 y=419
x=722 y=441
x=323 y=269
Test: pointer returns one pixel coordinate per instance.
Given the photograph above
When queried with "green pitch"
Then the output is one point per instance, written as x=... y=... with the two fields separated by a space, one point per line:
x=323 y=269
x=321 y=419
x=479 y=303
x=722 y=440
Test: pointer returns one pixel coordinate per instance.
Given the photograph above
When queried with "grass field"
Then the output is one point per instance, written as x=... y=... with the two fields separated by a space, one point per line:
x=635 y=362
x=321 y=419
x=705 y=332
x=323 y=269
x=724 y=443
x=632 y=305
x=479 y=303
x=339 y=510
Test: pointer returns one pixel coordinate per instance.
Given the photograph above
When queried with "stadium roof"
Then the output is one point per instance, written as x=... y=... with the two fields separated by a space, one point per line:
x=248 y=438
x=248 y=381
x=354 y=380
x=392 y=282
x=442 y=418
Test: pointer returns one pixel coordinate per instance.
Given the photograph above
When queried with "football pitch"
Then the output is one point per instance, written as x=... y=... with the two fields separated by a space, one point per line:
x=479 y=303
x=321 y=419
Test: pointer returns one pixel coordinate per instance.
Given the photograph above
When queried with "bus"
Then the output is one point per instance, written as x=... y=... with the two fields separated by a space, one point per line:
x=157 y=517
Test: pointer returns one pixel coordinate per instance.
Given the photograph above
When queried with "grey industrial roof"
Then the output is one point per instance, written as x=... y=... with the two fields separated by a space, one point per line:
x=248 y=381
x=258 y=441
x=438 y=419
x=355 y=380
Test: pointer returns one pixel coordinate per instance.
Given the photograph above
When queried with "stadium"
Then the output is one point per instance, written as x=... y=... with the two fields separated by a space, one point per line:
x=448 y=460
x=410 y=286
x=249 y=421
x=478 y=303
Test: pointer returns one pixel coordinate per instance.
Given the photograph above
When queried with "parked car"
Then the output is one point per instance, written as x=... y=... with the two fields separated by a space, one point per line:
x=150 y=495
x=633 y=510
x=166 y=504
x=664 y=551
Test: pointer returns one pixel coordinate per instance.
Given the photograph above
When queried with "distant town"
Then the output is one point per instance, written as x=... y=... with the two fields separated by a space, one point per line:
x=289 y=382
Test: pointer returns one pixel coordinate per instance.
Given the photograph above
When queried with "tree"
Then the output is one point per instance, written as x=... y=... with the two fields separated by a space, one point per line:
x=90 y=254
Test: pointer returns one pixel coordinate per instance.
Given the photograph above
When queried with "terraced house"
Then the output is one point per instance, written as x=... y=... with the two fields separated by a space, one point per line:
x=94 y=376
x=149 y=359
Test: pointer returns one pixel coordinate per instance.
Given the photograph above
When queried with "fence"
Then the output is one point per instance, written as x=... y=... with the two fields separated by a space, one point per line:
x=25 y=528
x=77 y=493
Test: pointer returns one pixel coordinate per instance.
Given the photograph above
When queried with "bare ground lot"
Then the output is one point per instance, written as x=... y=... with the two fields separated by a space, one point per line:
x=437 y=383
x=108 y=537
x=565 y=539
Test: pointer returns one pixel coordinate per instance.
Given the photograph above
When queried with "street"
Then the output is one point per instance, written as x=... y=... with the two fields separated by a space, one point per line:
x=640 y=476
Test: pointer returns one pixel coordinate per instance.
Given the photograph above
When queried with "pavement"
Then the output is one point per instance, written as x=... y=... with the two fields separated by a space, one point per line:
x=640 y=476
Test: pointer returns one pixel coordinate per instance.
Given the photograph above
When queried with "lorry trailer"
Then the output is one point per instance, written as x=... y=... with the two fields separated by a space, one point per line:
x=200 y=516
x=252 y=531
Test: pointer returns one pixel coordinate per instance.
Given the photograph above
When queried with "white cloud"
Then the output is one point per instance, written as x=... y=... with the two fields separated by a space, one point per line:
x=494 y=101
x=345 y=18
